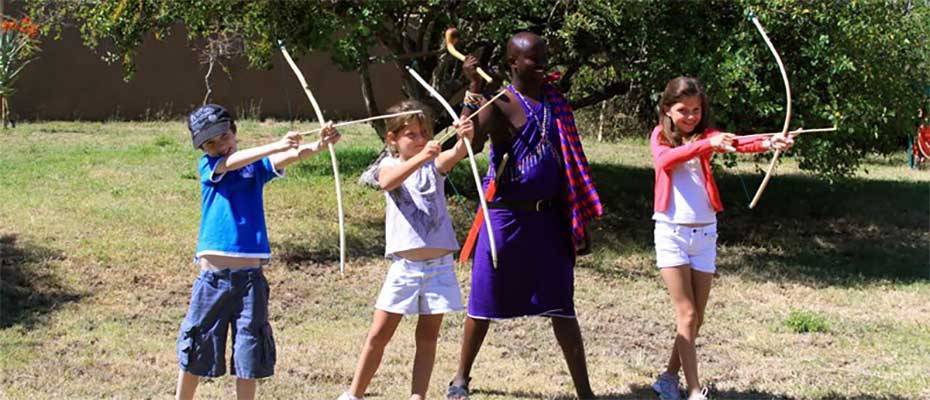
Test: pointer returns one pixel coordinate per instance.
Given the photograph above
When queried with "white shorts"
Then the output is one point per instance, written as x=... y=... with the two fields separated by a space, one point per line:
x=420 y=287
x=682 y=245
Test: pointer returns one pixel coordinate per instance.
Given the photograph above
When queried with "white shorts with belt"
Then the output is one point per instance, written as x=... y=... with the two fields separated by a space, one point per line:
x=420 y=287
x=678 y=245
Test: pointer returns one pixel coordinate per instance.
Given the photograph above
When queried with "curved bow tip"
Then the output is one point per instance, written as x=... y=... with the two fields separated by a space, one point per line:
x=750 y=15
x=452 y=36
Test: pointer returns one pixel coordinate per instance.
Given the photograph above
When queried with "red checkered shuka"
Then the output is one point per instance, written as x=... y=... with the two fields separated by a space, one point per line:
x=581 y=196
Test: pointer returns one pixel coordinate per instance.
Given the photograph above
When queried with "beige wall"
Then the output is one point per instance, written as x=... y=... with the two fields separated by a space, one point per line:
x=69 y=81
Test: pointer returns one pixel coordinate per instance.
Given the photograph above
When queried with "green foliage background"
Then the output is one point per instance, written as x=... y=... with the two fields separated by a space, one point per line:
x=861 y=65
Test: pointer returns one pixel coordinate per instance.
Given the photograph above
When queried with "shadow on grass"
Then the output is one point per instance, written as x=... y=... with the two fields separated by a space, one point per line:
x=28 y=291
x=322 y=252
x=862 y=397
x=638 y=392
x=804 y=230
x=521 y=394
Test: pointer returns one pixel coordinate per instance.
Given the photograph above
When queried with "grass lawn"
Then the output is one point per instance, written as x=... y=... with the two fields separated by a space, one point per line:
x=824 y=291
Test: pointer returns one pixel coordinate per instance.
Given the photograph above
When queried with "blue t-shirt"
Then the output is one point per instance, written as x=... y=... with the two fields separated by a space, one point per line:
x=233 y=213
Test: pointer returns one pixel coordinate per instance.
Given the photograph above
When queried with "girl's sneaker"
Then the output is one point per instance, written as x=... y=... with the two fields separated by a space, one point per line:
x=666 y=387
x=347 y=396
x=702 y=395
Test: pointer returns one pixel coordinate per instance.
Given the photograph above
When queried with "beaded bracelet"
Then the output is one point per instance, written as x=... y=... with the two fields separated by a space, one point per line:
x=473 y=98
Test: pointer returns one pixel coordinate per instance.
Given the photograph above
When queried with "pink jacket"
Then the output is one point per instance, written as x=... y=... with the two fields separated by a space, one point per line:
x=666 y=158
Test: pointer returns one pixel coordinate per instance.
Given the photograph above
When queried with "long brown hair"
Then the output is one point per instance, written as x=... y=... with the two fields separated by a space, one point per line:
x=395 y=125
x=676 y=90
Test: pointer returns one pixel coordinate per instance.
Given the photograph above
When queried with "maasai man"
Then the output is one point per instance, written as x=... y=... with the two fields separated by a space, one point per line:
x=544 y=199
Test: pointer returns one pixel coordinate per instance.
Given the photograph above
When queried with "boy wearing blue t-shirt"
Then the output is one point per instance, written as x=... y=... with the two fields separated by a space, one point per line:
x=231 y=292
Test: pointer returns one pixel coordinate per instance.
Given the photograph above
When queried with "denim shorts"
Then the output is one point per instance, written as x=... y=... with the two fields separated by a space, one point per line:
x=682 y=245
x=420 y=287
x=220 y=301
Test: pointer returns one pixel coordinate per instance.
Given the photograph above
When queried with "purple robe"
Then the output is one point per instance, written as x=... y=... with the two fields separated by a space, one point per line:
x=536 y=255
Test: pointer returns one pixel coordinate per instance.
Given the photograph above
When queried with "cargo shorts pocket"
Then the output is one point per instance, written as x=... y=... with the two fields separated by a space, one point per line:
x=269 y=352
x=192 y=353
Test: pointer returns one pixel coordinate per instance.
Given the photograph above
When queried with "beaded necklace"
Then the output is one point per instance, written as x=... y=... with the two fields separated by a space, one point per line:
x=536 y=155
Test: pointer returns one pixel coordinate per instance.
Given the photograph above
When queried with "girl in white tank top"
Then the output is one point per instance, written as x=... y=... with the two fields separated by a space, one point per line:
x=685 y=211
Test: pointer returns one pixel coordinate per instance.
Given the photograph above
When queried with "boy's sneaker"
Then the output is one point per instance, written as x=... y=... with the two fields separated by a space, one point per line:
x=347 y=396
x=702 y=395
x=666 y=387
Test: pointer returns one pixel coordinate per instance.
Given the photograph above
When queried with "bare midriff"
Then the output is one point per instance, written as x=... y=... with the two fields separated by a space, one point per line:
x=215 y=263
x=426 y=253
x=698 y=225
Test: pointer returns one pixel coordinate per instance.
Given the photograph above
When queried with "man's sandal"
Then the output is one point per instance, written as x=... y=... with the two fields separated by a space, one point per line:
x=458 y=392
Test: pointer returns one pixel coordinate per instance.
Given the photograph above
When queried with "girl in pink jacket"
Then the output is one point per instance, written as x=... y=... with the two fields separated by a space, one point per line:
x=685 y=213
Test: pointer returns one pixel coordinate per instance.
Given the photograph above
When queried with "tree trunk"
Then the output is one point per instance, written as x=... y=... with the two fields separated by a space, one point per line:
x=368 y=178
x=4 y=111
x=371 y=104
x=206 y=81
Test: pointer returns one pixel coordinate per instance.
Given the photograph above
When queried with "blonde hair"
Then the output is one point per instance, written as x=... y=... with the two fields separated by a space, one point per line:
x=395 y=125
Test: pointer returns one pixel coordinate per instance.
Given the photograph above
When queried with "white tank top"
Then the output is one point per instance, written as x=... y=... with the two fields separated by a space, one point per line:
x=689 y=203
x=415 y=216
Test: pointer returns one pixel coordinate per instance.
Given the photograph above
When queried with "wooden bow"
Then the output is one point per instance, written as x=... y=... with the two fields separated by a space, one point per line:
x=784 y=130
x=471 y=159
x=332 y=156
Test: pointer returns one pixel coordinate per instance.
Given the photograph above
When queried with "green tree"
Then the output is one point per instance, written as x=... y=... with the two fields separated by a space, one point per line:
x=352 y=32
x=861 y=65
